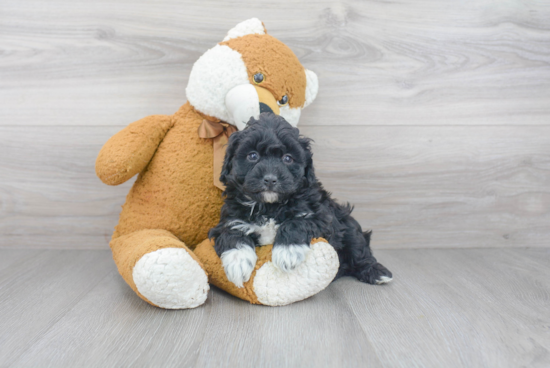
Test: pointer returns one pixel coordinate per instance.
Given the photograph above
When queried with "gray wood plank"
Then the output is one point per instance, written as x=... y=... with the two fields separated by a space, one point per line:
x=111 y=327
x=50 y=195
x=63 y=239
x=318 y=332
x=425 y=62
x=446 y=307
x=11 y=256
x=420 y=187
x=37 y=292
x=416 y=187
x=458 y=308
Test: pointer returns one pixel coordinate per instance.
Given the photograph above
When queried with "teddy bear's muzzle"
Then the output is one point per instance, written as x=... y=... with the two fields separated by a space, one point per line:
x=246 y=101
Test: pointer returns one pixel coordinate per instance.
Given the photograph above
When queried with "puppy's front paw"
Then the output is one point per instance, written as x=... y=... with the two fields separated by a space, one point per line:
x=288 y=257
x=238 y=263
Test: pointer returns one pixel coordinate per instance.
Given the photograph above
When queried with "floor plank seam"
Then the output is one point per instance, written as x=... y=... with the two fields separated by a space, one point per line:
x=350 y=308
x=59 y=317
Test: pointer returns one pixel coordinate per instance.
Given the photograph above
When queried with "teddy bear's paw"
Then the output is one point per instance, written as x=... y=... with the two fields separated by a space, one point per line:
x=275 y=287
x=239 y=263
x=170 y=278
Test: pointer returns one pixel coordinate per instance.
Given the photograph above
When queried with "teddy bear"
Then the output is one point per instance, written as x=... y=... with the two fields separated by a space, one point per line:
x=160 y=243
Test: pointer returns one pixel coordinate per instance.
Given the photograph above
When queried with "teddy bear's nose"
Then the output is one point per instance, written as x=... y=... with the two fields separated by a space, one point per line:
x=265 y=108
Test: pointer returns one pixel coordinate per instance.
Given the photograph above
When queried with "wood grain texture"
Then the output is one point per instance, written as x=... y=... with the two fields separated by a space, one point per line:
x=264 y=336
x=478 y=308
x=444 y=187
x=50 y=196
x=445 y=308
x=13 y=256
x=39 y=289
x=427 y=62
x=416 y=187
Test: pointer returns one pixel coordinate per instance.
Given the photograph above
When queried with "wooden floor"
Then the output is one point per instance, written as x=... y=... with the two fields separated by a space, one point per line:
x=446 y=308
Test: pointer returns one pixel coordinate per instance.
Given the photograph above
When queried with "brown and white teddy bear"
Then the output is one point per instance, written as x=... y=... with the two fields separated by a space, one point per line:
x=160 y=244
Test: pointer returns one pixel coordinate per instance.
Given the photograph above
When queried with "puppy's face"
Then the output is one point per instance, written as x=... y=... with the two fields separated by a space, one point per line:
x=268 y=161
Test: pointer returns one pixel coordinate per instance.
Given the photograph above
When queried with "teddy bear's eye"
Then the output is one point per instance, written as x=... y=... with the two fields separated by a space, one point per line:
x=253 y=156
x=283 y=101
x=258 y=78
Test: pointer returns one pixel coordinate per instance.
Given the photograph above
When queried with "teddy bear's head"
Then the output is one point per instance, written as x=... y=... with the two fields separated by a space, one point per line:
x=247 y=73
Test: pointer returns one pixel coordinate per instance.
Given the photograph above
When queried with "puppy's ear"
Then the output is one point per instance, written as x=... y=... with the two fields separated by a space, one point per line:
x=309 y=172
x=232 y=146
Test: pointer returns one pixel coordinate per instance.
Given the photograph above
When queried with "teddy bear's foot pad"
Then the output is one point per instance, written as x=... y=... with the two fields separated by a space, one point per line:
x=275 y=287
x=170 y=278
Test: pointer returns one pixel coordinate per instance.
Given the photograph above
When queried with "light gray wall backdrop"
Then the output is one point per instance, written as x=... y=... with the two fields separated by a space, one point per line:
x=433 y=116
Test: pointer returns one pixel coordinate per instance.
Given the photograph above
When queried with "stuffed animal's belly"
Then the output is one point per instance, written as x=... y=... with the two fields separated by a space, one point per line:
x=176 y=191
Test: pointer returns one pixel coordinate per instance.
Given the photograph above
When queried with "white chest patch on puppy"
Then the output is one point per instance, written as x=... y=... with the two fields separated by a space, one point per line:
x=270 y=197
x=266 y=232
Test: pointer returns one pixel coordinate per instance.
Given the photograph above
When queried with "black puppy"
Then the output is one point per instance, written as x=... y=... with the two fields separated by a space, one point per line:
x=273 y=197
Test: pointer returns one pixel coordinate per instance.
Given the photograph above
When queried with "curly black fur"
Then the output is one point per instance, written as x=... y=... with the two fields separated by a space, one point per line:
x=302 y=208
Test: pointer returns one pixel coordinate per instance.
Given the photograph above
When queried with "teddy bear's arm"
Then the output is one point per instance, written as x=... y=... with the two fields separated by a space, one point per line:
x=129 y=151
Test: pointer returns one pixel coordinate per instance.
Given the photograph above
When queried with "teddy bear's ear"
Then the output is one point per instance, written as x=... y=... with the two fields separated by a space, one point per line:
x=250 y=26
x=312 y=86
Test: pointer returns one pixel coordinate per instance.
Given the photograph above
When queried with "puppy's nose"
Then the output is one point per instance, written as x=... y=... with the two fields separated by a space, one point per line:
x=270 y=180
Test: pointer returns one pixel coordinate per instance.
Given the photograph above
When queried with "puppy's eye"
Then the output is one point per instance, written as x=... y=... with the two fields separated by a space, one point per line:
x=258 y=78
x=287 y=159
x=253 y=156
x=283 y=101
